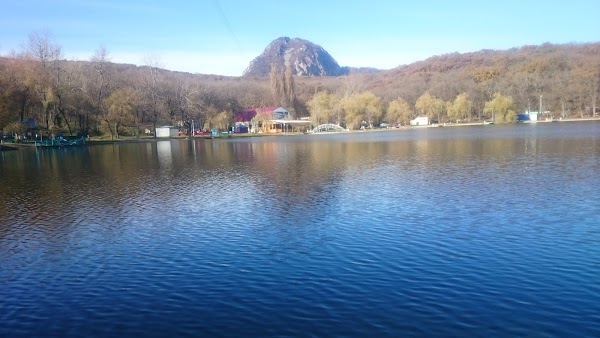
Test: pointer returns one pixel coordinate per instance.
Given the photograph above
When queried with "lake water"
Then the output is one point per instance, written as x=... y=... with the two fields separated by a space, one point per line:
x=470 y=231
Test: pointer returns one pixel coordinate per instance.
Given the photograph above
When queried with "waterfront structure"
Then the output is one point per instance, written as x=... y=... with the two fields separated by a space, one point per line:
x=420 y=121
x=267 y=120
x=167 y=131
x=529 y=116
x=328 y=128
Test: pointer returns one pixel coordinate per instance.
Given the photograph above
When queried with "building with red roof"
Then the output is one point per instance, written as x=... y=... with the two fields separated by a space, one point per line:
x=261 y=120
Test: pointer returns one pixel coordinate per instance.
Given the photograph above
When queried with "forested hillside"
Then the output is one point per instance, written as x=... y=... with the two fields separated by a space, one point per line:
x=100 y=97
x=567 y=76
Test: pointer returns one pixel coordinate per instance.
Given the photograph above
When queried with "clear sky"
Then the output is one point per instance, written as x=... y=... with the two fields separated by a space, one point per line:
x=223 y=36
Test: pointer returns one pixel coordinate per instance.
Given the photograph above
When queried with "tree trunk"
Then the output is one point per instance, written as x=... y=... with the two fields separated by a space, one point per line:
x=594 y=96
x=24 y=103
x=62 y=112
x=112 y=134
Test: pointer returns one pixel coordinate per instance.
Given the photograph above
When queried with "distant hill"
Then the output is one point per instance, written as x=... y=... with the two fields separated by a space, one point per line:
x=304 y=57
x=545 y=56
x=564 y=74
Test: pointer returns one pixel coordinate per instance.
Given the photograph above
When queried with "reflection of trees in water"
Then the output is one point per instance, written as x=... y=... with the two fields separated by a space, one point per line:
x=299 y=177
x=48 y=191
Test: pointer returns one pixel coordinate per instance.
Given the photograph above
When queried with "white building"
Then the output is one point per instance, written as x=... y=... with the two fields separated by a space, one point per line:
x=167 y=131
x=420 y=121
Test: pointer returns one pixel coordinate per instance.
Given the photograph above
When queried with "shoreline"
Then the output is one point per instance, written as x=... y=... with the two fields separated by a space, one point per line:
x=96 y=142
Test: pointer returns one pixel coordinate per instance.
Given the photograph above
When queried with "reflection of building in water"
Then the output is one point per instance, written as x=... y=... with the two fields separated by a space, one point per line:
x=163 y=150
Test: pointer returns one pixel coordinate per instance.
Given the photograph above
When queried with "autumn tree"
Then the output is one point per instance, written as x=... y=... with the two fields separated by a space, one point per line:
x=283 y=88
x=120 y=107
x=430 y=106
x=502 y=109
x=276 y=85
x=18 y=89
x=211 y=117
x=372 y=106
x=441 y=110
x=222 y=120
x=363 y=107
x=589 y=77
x=71 y=98
x=561 y=88
x=289 y=89
x=399 y=112
x=322 y=108
x=460 y=109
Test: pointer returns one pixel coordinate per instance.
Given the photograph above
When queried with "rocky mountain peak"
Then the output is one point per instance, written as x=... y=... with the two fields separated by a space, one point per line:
x=304 y=57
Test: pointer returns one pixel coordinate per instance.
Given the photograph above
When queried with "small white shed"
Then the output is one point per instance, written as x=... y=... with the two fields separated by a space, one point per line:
x=167 y=131
x=420 y=121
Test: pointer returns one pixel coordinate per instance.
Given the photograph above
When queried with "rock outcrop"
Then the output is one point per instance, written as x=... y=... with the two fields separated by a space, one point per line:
x=304 y=57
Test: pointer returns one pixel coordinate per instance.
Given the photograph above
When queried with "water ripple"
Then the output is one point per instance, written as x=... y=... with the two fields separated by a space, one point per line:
x=453 y=233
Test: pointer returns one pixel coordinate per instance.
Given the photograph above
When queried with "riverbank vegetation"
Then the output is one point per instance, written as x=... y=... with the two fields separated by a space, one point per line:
x=100 y=98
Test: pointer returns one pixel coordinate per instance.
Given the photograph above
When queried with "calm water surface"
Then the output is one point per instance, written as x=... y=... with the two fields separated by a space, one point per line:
x=485 y=231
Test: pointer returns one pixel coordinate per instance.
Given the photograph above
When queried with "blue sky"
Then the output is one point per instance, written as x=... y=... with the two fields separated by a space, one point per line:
x=223 y=36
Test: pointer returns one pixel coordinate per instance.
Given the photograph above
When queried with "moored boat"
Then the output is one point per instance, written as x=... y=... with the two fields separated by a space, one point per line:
x=4 y=147
x=60 y=142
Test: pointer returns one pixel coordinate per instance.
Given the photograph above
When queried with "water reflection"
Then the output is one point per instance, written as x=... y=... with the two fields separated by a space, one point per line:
x=335 y=226
x=163 y=150
x=300 y=172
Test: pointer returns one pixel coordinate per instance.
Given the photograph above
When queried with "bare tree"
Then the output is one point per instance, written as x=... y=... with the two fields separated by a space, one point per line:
x=42 y=48
x=153 y=85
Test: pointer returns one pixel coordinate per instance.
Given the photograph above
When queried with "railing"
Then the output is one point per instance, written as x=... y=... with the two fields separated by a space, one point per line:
x=328 y=128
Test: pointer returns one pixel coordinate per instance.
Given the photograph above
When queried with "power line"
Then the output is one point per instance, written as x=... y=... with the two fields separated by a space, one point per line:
x=227 y=25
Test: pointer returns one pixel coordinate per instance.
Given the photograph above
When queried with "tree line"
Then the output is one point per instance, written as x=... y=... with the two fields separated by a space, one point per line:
x=484 y=85
x=98 y=97
x=366 y=110
x=567 y=77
